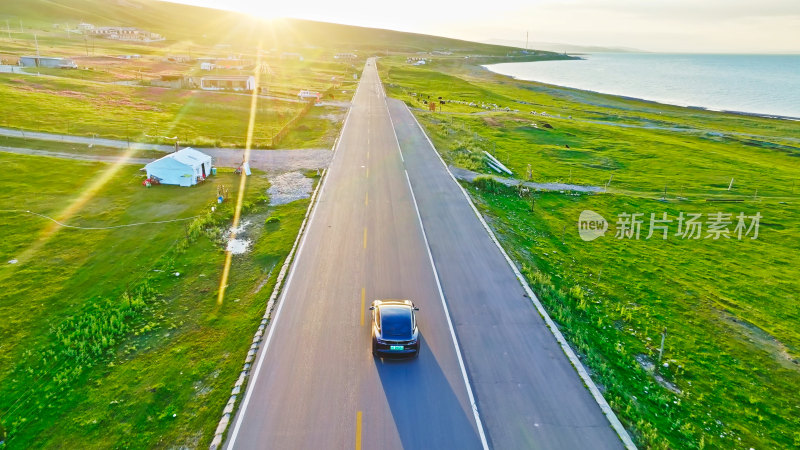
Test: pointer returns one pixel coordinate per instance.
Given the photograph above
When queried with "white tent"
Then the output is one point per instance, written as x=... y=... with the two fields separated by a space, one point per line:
x=184 y=167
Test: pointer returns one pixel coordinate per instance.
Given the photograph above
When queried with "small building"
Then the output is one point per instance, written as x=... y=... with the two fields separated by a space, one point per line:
x=125 y=34
x=345 y=56
x=305 y=94
x=228 y=83
x=207 y=66
x=43 y=61
x=174 y=81
x=185 y=167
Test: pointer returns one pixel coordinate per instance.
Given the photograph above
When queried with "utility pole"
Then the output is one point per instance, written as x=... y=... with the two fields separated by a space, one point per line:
x=36 y=39
x=526 y=40
x=661 y=350
x=8 y=28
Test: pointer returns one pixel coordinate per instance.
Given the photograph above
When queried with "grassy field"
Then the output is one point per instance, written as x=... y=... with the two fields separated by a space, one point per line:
x=113 y=337
x=83 y=108
x=730 y=371
x=317 y=130
x=78 y=149
x=85 y=101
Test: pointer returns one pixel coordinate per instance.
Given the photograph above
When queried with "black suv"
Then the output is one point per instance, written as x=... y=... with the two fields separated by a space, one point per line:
x=394 y=328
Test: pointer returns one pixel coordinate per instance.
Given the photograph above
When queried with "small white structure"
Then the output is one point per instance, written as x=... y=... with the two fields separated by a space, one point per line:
x=185 y=167
x=207 y=66
x=45 y=61
x=305 y=94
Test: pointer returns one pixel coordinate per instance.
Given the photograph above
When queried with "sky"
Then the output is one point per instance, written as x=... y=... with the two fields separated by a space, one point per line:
x=702 y=26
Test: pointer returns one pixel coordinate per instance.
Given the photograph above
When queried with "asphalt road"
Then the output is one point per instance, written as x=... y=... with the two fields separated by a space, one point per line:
x=315 y=383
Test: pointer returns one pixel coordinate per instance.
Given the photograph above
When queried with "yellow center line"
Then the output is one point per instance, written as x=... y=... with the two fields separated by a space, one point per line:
x=366 y=199
x=365 y=237
x=367 y=172
x=363 y=298
x=358 y=430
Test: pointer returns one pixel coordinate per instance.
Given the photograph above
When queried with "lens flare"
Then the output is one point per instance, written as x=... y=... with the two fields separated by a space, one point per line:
x=223 y=283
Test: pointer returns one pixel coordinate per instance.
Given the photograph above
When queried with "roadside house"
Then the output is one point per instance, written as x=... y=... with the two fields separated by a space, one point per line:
x=185 y=167
x=229 y=83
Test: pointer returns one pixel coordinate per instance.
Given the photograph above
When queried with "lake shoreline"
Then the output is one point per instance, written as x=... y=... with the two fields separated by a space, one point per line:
x=645 y=100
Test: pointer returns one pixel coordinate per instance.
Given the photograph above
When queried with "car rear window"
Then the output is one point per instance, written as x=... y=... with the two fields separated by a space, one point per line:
x=396 y=322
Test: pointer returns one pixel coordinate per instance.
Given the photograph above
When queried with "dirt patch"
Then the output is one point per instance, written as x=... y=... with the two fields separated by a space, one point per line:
x=761 y=340
x=492 y=122
x=289 y=187
x=237 y=241
x=332 y=117
x=650 y=367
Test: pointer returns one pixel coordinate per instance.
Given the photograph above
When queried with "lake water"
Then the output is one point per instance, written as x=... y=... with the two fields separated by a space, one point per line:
x=762 y=84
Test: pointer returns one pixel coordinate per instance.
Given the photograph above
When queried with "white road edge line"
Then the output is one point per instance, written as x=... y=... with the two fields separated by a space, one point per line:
x=587 y=380
x=467 y=384
x=273 y=323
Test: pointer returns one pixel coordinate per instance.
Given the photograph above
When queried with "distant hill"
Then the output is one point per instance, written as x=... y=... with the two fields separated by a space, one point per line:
x=211 y=26
x=563 y=48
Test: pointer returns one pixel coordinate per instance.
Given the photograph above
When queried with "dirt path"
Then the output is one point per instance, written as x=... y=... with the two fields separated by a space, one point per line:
x=468 y=175
x=267 y=160
x=114 y=143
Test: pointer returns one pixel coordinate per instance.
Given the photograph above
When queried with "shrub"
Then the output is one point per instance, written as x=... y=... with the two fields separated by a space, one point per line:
x=491 y=185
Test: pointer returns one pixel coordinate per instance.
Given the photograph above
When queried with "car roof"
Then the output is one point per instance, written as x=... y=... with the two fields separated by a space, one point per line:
x=399 y=310
x=396 y=320
x=384 y=303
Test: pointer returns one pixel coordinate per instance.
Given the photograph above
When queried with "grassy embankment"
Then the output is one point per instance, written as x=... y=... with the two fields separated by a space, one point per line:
x=730 y=372
x=114 y=338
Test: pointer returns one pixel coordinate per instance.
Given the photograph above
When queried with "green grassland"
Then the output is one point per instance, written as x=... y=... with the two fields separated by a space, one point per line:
x=76 y=149
x=83 y=108
x=730 y=371
x=318 y=129
x=86 y=101
x=113 y=337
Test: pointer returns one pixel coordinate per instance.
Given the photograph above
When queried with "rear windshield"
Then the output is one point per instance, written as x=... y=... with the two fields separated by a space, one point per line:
x=396 y=322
